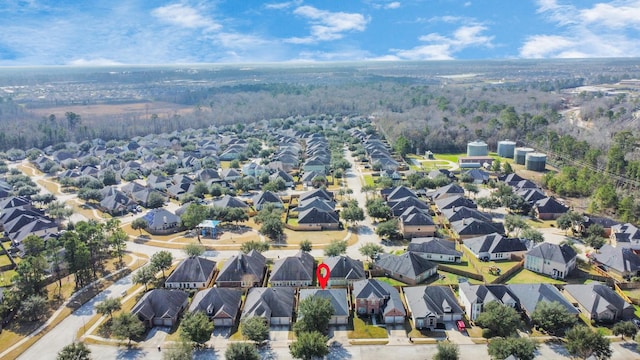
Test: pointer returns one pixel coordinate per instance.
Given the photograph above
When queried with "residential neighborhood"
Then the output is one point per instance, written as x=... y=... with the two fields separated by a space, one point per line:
x=233 y=224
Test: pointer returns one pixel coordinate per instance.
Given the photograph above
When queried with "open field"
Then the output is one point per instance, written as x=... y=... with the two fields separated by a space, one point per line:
x=145 y=109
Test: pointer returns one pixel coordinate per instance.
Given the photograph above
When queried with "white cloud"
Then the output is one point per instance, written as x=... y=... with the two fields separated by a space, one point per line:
x=603 y=30
x=442 y=47
x=392 y=5
x=94 y=62
x=184 y=16
x=327 y=25
x=283 y=5
x=467 y=4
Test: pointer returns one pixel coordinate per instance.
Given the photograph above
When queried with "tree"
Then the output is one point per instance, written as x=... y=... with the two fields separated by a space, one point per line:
x=161 y=261
x=241 y=351
x=521 y=348
x=196 y=327
x=506 y=168
x=193 y=215
x=305 y=245
x=378 y=209
x=371 y=250
x=53 y=247
x=272 y=227
x=625 y=328
x=352 y=214
x=552 y=317
x=533 y=235
x=34 y=307
x=33 y=245
x=447 y=351
x=515 y=222
x=314 y=314
x=193 y=249
x=583 y=342
x=155 y=200
x=336 y=248
x=144 y=276
x=388 y=229
x=402 y=146
x=30 y=275
x=309 y=345
x=74 y=351
x=182 y=351
x=501 y=320
x=259 y=246
x=564 y=222
x=595 y=236
x=200 y=189
x=126 y=326
x=108 y=307
x=255 y=329
x=139 y=224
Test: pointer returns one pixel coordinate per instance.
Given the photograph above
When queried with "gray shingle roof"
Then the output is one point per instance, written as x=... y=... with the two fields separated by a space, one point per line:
x=434 y=245
x=160 y=303
x=487 y=293
x=618 y=258
x=409 y=264
x=217 y=302
x=293 y=268
x=344 y=267
x=494 y=243
x=462 y=212
x=250 y=264
x=269 y=302
x=476 y=227
x=192 y=269
x=530 y=295
x=554 y=252
x=338 y=298
x=367 y=288
x=431 y=300
x=597 y=297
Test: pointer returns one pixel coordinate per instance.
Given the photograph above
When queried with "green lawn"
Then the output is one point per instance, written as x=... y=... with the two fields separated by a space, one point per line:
x=6 y=276
x=391 y=281
x=4 y=260
x=449 y=157
x=525 y=276
x=368 y=180
x=361 y=330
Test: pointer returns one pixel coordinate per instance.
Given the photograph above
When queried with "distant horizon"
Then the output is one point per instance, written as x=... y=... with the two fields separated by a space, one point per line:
x=225 y=32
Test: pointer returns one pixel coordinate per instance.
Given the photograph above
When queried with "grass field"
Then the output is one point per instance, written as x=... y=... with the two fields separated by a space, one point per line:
x=362 y=330
x=525 y=276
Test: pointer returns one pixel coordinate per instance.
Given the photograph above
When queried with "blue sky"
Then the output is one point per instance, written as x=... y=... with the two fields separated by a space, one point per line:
x=103 y=32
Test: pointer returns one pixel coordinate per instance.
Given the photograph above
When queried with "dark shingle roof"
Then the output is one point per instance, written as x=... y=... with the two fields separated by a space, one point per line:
x=494 y=243
x=160 y=303
x=338 y=298
x=293 y=268
x=344 y=267
x=530 y=295
x=558 y=253
x=192 y=269
x=618 y=258
x=597 y=297
x=217 y=301
x=409 y=264
x=250 y=264
x=434 y=245
x=269 y=302
x=431 y=300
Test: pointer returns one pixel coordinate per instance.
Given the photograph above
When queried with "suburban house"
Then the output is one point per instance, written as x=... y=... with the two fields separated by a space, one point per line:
x=432 y=305
x=469 y=228
x=530 y=295
x=554 y=260
x=296 y=270
x=458 y=213
x=436 y=249
x=275 y=304
x=266 y=197
x=478 y=176
x=599 y=302
x=229 y=201
x=622 y=260
x=160 y=307
x=415 y=222
x=221 y=305
x=446 y=191
x=474 y=297
x=549 y=209
x=399 y=206
x=455 y=201
x=318 y=219
x=161 y=221
x=344 y=270
x=194 y=272
x=625 y=233
x=338 y=299
x=410 y=268
x=116 y=203
x=374 y=297
x=589 y=220
x=495 y=247
x=242 y=270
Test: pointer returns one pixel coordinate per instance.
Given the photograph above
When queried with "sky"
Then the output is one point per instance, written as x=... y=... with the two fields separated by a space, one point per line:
x=111 y=32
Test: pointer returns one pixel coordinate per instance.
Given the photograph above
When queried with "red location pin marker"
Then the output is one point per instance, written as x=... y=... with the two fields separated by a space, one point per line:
x=323 y=279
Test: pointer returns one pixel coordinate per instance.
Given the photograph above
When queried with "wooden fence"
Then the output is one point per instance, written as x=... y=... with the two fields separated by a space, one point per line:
x=461 y=272
x=509 y=272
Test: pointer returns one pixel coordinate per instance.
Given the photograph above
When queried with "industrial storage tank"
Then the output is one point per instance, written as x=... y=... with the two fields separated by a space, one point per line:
x=520 y=154
x=506 y=148
x=477 y=148
x=536 y=161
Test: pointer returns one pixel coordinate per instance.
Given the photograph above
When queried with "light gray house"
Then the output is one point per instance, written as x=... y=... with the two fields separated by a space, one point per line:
x=436 y=249
x=599 y=302
x=275 y=304
x=344 y=270
x=192 y=273
x=338 y=299
x=221 y=305
x=432 y=305
x=474 y=297
x=554 y=260
x=160 y=307
x=495 y=247
x=297 y=270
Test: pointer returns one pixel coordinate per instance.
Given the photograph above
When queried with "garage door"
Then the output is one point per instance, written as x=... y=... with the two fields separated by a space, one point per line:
x=276 y=321
x=447 y=317
x=223 y=322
